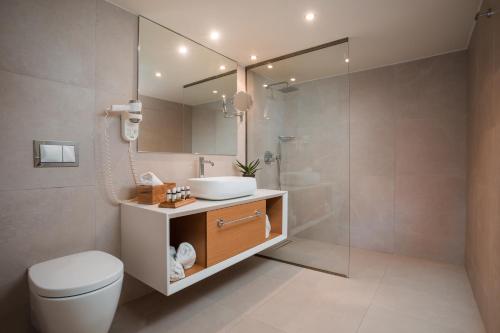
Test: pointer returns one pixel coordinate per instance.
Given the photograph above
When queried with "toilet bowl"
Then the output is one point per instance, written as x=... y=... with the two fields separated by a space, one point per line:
x=77 y=293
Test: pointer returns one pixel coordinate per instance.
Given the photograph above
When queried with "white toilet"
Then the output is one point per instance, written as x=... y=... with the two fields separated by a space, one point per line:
x=78 y=293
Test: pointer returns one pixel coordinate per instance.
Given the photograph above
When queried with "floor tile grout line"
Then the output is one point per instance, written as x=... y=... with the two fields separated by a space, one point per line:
x=379 y=285
x=258 y=304
x=434 y=321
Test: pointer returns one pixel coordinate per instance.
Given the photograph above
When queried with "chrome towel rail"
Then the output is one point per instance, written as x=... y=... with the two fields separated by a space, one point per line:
x=221 y=223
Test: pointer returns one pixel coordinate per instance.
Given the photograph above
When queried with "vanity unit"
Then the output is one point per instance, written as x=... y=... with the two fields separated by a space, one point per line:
x=223 y=233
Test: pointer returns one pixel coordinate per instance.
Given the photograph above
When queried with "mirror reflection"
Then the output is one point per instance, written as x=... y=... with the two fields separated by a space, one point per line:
x=182 y=86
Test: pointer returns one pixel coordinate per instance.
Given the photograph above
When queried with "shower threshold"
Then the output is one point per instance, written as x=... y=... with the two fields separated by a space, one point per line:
x=271 y=255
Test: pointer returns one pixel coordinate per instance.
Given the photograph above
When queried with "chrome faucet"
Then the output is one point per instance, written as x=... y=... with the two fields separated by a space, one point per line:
x=202 y=162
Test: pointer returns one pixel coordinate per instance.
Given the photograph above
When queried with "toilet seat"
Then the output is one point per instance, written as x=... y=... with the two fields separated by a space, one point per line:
x=75 y=274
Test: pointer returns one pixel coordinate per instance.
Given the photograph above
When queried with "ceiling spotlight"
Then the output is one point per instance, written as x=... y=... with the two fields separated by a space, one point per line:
x=158 y=74
x=214 y=35
x=346 y=60
x=222 y=67
x=223 y=96
x=264 y=85
x=183 y=50
x=269 y=66
x=310 y=17
x=214 y=92
x=253 y=57
x=292 y=79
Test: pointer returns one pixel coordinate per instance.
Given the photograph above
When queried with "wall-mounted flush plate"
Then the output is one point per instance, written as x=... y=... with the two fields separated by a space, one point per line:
x=48 y=154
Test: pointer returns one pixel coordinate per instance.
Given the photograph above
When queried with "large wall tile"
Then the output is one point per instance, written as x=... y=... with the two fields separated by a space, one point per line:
x=116 y=50
x=483 y=214
x=38 y=225
x=372 y=148
x=407 y=127
x=431 y=146
x=430 y=217
x=49 y=39
x=43 y=110
x=372 y=212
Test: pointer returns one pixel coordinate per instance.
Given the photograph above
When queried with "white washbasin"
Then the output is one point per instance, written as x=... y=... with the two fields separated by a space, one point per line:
x=222 y=188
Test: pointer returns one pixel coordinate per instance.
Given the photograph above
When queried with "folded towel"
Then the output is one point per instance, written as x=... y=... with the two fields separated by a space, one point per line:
x=186 y=255
x=176 y=270
x=149 y=178
x=268 y=227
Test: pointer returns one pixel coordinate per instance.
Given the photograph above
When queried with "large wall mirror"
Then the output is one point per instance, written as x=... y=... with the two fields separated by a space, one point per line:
x=182 y=85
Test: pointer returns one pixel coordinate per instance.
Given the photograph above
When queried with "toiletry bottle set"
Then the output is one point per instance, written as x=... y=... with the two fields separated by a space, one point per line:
x=178 y=194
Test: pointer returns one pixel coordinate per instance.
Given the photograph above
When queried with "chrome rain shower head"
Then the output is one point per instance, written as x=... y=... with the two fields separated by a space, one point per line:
x=286 y=89
x=283 y=138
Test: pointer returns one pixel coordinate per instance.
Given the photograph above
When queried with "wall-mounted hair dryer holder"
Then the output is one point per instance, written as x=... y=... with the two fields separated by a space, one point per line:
x=131 y=116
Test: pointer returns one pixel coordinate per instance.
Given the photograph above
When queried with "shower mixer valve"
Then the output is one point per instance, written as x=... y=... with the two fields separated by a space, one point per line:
x=269 y=157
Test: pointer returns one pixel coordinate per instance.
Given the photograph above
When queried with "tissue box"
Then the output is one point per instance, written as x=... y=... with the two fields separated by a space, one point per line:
x=152 y=194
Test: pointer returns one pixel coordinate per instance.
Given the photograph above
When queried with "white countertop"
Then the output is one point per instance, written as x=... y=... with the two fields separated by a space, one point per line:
x=201 y=205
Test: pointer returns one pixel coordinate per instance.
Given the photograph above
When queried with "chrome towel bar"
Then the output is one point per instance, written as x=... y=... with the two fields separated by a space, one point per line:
x=221 y=223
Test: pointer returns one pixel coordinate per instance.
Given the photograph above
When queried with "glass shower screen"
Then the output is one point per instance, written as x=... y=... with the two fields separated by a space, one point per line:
x=299 y=126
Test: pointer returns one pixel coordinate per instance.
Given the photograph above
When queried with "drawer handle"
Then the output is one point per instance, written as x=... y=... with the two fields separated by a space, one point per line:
x=221 y=223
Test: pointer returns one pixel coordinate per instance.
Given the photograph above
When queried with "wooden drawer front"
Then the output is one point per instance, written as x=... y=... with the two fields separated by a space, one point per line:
x=240 y=230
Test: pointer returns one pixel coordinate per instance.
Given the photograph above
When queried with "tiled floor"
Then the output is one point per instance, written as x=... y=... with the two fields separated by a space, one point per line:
x=385 y=293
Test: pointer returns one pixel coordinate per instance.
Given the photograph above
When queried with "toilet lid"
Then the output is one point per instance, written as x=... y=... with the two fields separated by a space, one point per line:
x=74 y=274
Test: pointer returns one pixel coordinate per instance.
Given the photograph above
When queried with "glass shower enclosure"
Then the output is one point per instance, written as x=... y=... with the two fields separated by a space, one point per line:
x=299 y=129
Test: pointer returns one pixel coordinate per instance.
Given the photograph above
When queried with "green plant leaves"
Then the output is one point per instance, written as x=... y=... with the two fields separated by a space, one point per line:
x=248 y=169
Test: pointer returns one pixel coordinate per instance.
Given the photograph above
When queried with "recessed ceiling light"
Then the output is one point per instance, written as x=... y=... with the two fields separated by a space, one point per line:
x=292 y=79
x=253 y=57
x=214 y=35
x=158 y=74
x=310 y=16
x=222 y=67
x=346 y=60
x=269 y=66
x=265 y=85
x=214 y=92
x=223 y=96
x=183 y=50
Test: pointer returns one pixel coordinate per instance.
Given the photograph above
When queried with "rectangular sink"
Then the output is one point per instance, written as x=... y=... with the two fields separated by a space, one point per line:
x=222 y=188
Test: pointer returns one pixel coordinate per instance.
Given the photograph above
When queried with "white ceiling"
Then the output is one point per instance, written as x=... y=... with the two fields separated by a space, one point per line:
x=381 y=32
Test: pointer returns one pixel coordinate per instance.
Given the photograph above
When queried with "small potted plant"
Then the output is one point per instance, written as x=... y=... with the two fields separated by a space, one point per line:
x=248 y=169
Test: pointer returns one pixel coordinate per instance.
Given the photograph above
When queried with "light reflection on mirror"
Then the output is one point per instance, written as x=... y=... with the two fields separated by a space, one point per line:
x=181 y=84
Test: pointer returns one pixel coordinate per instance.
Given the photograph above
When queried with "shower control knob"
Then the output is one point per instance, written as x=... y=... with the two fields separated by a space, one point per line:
x=268 y=157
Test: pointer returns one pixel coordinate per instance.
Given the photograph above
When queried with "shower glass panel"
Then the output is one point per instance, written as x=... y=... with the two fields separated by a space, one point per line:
x=299 y=126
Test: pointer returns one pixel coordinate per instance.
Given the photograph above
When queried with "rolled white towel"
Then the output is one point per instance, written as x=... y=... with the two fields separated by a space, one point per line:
x=173 y=253
x=176 y=270
x=186 y=255
x=268 y=227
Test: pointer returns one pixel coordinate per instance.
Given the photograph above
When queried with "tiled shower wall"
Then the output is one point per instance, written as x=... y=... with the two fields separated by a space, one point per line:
x=407 y=160
x=61 y=63
x=483 y=214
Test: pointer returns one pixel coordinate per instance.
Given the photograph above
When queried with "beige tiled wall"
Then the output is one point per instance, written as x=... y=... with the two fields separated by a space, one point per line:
x=483 y=214
x=408 y=158
x=61 y=64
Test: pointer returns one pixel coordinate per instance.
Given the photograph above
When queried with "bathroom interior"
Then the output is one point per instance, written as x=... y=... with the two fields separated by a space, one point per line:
x=258 y=166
